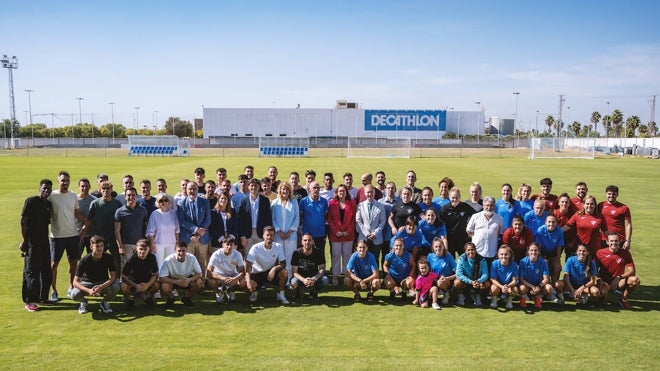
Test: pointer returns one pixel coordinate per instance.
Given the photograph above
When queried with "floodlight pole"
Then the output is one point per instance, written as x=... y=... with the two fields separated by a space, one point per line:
x=112 y=113
x=478 y=123
x=29 y=91
x=11 y=64
x=137 y=118
x=515 y=117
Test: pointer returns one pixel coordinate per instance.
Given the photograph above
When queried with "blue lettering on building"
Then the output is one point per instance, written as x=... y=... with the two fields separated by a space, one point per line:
x=391 y=120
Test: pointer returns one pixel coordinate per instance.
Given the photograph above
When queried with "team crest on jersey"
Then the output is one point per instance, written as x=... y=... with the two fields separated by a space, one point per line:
x=410 y=210
x=594 y=222
x=462 y=213
x=613 y=212
x=619 y=260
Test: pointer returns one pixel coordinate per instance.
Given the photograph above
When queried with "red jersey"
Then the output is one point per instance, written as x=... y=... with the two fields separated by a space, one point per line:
x=562 y=219
x=587 y=228
x=577 y=204
x=518 y=242
x=551 y=201
x=614 y=215
x=611 y=265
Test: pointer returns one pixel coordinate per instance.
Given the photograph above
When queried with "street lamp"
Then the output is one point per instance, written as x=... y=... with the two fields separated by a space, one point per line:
x=112 y=113
x=29 y=91
x=137 y=118
x=478 y=123
x=10 y=64
x=515 y=117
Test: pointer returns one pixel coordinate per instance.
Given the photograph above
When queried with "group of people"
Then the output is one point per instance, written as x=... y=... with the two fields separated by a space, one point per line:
x=245 y=235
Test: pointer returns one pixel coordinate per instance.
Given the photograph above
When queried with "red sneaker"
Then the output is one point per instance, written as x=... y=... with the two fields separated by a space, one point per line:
x=31 y=307
x=623 y=303
x=523 y=302
x=537 y=303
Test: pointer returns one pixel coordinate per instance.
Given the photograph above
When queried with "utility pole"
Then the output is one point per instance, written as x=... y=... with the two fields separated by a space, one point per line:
x=112 y=113
x=515 y=117
x=29 y=91
x=562 y=99
x=11 y=64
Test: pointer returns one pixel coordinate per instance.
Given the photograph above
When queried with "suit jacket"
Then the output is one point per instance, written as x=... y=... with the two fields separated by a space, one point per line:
x=244 y=214
x=191 y=218
x=218 y=227
x=371 y=222
x=336 y=224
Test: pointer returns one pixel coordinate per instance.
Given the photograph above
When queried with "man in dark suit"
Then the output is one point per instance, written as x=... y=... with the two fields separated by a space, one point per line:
x=253 y=215
x=194 y=214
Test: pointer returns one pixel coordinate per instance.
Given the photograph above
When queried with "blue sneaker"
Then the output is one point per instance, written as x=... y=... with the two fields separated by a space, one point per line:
x=53 y=297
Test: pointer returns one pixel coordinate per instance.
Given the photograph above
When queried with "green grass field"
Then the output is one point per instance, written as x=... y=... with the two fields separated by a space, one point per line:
x=336 y=333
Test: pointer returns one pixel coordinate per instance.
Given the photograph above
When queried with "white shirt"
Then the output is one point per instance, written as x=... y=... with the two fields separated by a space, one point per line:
x=263 y=259
x=64 y=214
x=226 y=265
x=175 y=269
x=485 y=233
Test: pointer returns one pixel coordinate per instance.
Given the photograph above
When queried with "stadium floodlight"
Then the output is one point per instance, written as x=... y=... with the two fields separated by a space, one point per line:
x=10 y=64
x=30 y=91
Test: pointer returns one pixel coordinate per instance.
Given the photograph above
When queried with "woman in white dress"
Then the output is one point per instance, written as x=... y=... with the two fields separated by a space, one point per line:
x=163 y=229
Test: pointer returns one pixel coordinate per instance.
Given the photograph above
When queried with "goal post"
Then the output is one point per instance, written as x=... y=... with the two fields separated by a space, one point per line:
x=584 y=148
x=374 y=147
x=283 y=146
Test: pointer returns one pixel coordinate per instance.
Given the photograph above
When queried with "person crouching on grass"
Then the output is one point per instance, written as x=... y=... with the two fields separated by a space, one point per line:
x=503 y=277
x=443 y=264
x=472 y=275
x=362 y=272
x=181 y=270
x=226 y=270
x=400 y=269
x=96 y=275
x=425 y=285
x=535 y=279
x=581 y=277
x=140 y=275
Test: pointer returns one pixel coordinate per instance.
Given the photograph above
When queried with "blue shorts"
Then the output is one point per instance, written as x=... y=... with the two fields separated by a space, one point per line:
x=59 y=245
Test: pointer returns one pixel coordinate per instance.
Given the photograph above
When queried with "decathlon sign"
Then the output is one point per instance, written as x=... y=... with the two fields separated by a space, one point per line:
x=376 y=120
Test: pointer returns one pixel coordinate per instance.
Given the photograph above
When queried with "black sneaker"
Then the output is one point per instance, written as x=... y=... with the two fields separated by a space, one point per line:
x=187 y=301
x=313 y=295
x=149 y=302
x=392 y=295
x=169 y=303
x=130 y=304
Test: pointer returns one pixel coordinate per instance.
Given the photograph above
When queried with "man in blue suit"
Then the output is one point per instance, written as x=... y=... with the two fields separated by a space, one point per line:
x=253 y=215
x=194 y=214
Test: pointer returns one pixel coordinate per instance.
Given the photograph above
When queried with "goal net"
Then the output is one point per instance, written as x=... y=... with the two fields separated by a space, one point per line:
x=562 y=148
x=366 y=147
x=283 y=146
x=157 y=145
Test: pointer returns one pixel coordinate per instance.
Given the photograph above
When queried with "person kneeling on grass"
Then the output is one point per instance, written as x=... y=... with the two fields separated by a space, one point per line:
x=617 y=269
x=471 y=274
x=535 y=279
x=425 y=285
x=266 y=262
x=443 y=264
x=180 y=270
x=96 y=275
x=581 y=277
x=400 y=269
x=503 y=277
x=226 y=270
x=140 y=275
x=308 y=266
x=362 y=272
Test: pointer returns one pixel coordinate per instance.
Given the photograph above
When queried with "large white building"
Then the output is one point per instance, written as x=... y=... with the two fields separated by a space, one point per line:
x=339 y=122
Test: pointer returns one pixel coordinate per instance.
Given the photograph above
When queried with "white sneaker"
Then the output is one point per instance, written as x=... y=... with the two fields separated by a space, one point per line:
x=175 y=293
x=460 y=301
x=281 y=298
x=231 y=295
x=435 y=306
x=493 y=302
x=157 y=295
x=218 y=298
x=477 y=300
x=69 y=293
x=105 y=307
x=553 y=298
x=509 y=303
x=83 y=307
x=254 y=295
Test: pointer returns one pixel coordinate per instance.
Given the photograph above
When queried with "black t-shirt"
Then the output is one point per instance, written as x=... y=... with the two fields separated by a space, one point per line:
x=37 y=211
x=139 y=270
x=299 y=193
x=95 y=271
x=308 y=265
x=456 y=219
x=401 y=212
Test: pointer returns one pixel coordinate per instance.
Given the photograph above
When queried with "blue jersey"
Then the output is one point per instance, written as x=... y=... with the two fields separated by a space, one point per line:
x=503 y=273
x=398 y=266
x=533 y=272
x=533 y=222
x=409 y=241
x=430 y=231
x=313 y=216
x=442 y=265
x=507 y=211
x=549 y=241
x=576 y=271
x=526 y=206
x=364 y=267
x=441 y=201
x=425 y=207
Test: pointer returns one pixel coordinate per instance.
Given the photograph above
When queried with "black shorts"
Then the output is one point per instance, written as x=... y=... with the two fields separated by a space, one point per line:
x=262 y=277
x=59 y=245
x=549 y=255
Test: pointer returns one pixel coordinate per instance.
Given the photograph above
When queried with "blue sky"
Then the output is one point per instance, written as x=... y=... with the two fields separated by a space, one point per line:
x=175 y=57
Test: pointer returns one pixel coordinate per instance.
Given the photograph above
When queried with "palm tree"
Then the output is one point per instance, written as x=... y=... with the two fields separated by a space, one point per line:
x=595 y=119
x=632 y=123
x=607 y=125
x=550 y=122
x=617 y=119
x=585 y=131
x=575 y=128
